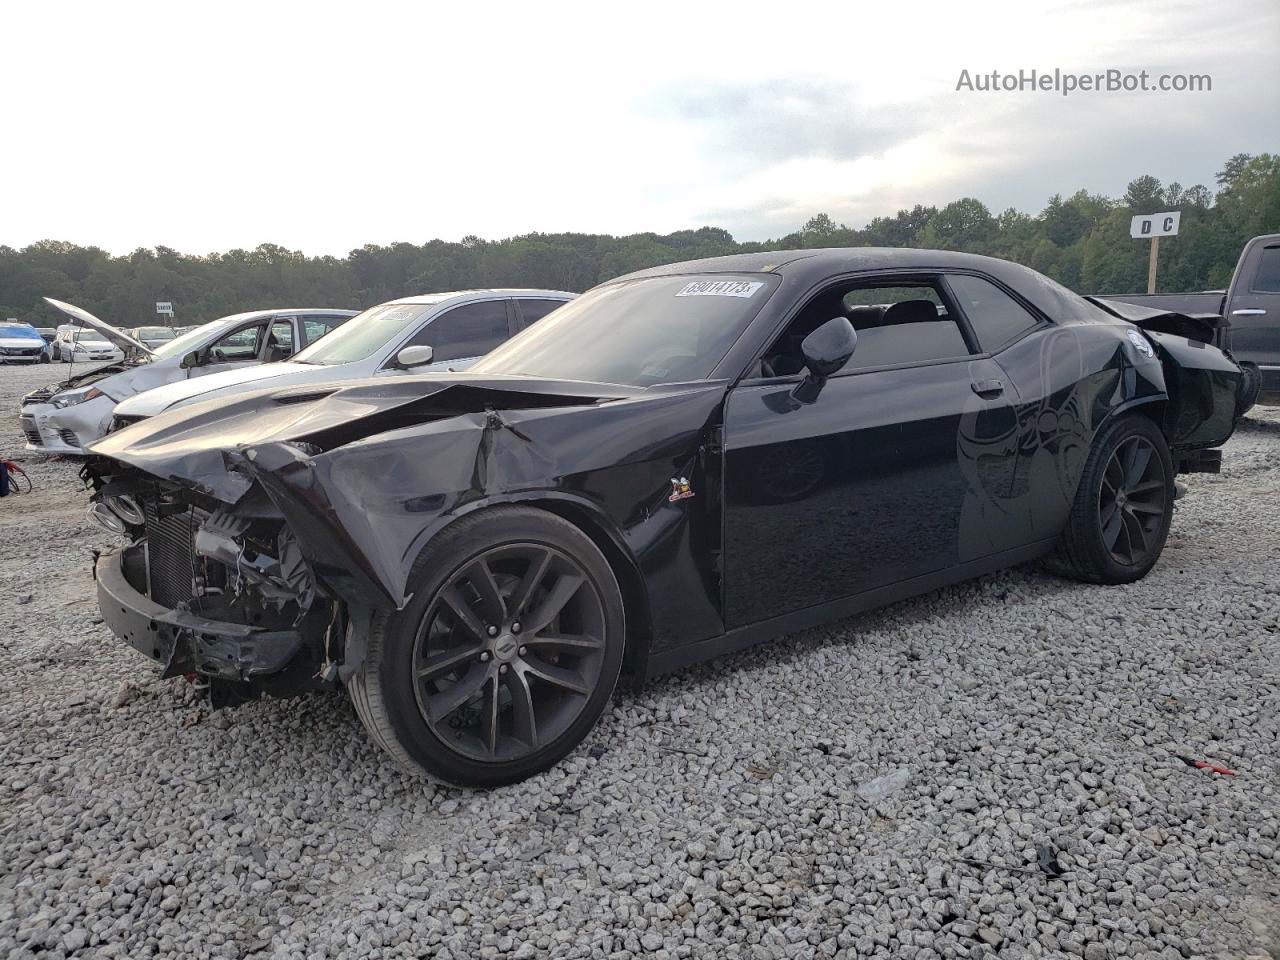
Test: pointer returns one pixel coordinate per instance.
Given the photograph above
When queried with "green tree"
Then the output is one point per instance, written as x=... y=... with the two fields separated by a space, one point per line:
x=1081 y=239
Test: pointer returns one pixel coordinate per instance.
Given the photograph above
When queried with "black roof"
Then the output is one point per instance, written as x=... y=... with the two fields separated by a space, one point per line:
x=831 y=260
x=807 y=267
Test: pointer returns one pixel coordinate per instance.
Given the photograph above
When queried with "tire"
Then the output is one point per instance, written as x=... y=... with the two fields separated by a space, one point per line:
x=1120 y=518
x=523 y=697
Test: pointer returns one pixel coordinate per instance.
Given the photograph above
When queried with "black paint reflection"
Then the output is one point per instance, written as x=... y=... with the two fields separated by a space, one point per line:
x=862 y=488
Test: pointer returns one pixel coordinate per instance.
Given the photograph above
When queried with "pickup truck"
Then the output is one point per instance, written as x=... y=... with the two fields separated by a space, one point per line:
x=1251 y=308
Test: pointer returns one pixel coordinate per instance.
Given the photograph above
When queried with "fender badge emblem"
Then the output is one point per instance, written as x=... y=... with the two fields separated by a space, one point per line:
x=679 y=490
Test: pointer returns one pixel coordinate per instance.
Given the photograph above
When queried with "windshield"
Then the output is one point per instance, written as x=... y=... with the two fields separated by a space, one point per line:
x=195 y=338
x=18 y=330
x=364 y=334
x=639 y=332
x=90 y=336
x=153 y=333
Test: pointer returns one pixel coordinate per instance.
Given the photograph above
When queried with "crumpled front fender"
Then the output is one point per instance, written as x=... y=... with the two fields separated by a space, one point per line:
x=363 y=512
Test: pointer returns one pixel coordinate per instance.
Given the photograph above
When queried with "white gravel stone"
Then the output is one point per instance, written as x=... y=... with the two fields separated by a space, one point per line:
x=715 y=813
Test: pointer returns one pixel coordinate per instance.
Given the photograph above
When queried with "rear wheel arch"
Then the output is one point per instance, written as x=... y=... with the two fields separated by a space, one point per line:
x=1152 y=407
x=1084 y=553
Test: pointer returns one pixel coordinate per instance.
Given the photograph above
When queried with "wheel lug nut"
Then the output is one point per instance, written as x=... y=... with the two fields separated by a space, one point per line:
x=484 y=657
x=503 y=668
x=524 y=651
x=515 y=626
x=492 y=630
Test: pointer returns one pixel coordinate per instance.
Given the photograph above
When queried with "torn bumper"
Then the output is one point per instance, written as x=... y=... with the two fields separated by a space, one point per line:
x=65 y=430
x=185 y=642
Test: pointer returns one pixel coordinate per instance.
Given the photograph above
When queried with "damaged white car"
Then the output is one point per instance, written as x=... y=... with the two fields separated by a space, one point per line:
x=63 y=417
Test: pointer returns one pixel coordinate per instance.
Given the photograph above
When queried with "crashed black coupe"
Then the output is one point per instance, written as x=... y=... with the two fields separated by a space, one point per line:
x=683 y=461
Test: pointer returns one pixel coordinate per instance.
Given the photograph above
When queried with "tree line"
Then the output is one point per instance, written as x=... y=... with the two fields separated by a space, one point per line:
x=1081 y=240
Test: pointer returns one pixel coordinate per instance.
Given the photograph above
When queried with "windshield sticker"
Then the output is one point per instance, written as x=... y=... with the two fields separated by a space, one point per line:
x=720 y=288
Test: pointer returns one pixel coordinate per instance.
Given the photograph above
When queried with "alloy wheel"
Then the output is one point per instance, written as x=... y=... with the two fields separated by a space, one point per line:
x=509 y=652
x=1132 y=501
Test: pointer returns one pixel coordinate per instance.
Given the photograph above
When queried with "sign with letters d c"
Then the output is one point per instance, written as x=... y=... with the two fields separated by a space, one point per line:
x=1149 y=225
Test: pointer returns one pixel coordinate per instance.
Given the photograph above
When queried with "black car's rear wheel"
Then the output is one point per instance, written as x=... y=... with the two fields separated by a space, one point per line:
x=1120 y=518
x=505 y=657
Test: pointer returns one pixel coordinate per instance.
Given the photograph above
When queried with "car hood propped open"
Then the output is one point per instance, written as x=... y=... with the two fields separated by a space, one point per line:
x=86 y=319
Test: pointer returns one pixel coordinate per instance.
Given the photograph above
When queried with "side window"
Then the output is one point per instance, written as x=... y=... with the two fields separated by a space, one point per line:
x=900 y=323
x=470 y=330
x=1267 y=279
x=317 y=327
x=995 y=316
x=279 y=341
x=241 y=344
x=531 y=311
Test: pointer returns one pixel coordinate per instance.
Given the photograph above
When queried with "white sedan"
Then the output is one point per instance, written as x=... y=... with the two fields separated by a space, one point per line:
x=74 y=345
x=64 y=417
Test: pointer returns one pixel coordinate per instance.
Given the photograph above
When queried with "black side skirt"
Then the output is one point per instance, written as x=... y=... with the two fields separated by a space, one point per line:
x=751 y=634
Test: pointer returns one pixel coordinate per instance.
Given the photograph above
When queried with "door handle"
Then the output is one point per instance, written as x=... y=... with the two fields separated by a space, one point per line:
x=1249 y=312
x=988 y=389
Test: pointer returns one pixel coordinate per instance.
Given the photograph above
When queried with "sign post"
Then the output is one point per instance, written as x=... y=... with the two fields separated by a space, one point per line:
x=1153 y=226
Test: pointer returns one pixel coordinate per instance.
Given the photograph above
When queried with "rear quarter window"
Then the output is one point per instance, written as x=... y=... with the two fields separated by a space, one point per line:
x=995 y=316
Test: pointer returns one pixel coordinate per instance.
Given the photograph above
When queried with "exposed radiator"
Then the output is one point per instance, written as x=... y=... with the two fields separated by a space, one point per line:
x=170 y=558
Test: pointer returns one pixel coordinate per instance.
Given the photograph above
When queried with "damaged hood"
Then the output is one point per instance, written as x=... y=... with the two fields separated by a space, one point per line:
x=86 y=319
x=188 y=445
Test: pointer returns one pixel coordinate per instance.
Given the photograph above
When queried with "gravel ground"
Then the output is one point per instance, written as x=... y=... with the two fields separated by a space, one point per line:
x=719 y=812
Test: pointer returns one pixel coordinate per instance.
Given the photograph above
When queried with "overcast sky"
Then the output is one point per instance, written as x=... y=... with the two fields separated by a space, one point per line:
x=322 y=126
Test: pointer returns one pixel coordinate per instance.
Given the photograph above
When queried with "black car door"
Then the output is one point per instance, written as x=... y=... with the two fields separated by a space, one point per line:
x=878 y=480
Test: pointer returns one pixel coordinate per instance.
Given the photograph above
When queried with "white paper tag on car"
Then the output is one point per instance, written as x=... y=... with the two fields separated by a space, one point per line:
x=720 y=288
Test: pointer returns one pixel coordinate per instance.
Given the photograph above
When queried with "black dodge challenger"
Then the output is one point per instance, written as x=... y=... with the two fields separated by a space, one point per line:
x=682 y=462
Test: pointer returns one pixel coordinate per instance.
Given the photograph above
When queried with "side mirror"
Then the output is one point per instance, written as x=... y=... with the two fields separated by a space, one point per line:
x=825 y=351
x=192 y=359
x=414 y=357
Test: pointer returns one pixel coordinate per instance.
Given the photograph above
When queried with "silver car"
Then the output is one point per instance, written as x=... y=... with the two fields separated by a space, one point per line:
x=430 y=333
x=154 y=337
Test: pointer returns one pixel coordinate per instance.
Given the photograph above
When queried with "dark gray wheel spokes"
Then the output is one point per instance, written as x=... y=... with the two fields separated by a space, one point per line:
x=1132 y=502
x=509 y=651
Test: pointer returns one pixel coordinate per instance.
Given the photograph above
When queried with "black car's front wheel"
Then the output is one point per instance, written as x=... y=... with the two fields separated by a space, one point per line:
x=1120 y=518
x=506 y=655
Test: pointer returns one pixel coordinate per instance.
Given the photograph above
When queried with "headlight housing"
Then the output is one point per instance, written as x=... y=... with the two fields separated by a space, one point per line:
x=72 y=397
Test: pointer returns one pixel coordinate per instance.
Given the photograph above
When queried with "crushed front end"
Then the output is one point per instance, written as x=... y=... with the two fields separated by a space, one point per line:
x=209 y=589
